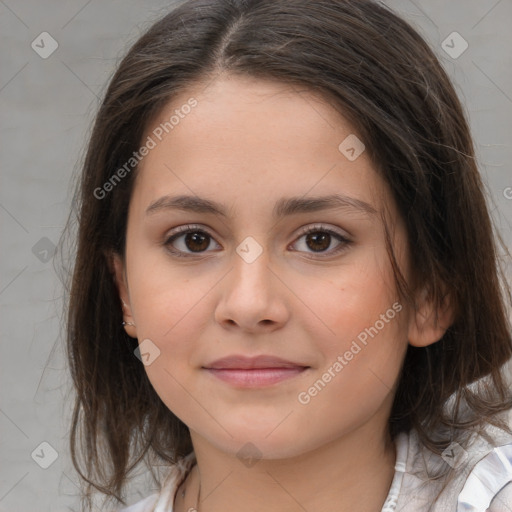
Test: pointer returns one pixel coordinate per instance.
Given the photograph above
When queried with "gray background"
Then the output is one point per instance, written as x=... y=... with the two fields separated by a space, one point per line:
x=47 y=107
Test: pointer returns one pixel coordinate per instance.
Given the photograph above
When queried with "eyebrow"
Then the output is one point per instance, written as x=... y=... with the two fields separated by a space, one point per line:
x=286 y=206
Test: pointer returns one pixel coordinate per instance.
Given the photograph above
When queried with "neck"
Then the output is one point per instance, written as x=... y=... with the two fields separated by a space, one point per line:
x=353 y=472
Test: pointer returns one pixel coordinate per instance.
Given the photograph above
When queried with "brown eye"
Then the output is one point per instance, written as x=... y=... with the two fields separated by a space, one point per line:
x=318 y=239
x=197 y=241
x=188 y=240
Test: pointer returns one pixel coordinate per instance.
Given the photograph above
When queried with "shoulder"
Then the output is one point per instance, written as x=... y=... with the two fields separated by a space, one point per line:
x=502 y=502
x=145 y=505
x=489 y=484
x=164 y=500
x=469 y=478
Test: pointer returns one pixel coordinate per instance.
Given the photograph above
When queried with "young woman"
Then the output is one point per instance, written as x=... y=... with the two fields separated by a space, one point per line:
x=286 y=287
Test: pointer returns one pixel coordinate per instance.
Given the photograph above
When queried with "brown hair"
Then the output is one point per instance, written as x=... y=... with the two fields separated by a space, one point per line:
x=377 y=71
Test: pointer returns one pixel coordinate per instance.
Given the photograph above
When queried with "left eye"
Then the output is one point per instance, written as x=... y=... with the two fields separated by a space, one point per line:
x=196 y=240
x=319 y=239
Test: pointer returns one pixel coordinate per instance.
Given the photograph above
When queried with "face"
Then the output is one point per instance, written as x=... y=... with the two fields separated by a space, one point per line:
x=306 y=281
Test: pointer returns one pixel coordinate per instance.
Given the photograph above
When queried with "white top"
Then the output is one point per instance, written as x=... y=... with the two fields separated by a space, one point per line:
x=482 y=477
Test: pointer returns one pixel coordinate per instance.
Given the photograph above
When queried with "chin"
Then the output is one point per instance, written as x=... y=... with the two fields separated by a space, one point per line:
x=250 y=446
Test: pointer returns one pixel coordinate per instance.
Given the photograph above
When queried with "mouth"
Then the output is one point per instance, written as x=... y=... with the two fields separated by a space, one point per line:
x=241 y=362
x=262 y=370
x=255 y=377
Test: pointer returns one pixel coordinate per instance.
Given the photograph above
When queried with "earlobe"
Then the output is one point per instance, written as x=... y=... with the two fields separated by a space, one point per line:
x=424 y=328
x=117 y=267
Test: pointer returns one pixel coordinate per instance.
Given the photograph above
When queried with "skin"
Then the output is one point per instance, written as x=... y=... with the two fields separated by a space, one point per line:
x=247 y=144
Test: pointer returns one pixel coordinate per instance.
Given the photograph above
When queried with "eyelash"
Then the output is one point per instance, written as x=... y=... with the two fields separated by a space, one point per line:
x=183 y=230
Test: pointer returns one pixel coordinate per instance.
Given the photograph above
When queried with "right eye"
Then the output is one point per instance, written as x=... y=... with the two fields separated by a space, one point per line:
x=188 y=238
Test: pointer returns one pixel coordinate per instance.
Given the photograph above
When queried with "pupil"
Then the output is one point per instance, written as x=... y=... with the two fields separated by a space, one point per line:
x=196 y=238
x=324 y=238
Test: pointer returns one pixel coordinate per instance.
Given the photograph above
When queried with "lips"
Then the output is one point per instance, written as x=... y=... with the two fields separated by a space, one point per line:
x=239 y=362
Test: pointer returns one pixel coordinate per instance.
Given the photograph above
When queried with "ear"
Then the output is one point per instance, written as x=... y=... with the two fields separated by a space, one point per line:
x=117 y=268
x=424 y=329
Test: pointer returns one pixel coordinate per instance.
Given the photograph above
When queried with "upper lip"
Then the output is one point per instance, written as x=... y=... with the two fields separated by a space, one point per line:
x=244 y=363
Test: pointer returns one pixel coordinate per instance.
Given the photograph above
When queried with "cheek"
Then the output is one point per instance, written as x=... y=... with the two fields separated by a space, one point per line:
x=171 y=311
x=352 y=300
x=175 y=322
x=360 y=364
x=358 y=317
x=167 y=297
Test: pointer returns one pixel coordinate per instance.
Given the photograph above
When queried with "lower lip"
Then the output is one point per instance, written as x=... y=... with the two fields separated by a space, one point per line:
x=255 y=377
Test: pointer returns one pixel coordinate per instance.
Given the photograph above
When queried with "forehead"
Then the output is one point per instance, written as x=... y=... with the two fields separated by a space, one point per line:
x=252 y=141
x=254 y=112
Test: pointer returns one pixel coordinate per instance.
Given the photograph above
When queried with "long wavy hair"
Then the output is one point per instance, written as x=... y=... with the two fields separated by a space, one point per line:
x=379 y=73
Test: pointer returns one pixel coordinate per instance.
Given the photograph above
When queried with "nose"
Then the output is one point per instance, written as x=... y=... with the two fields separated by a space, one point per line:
x=253 y=297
